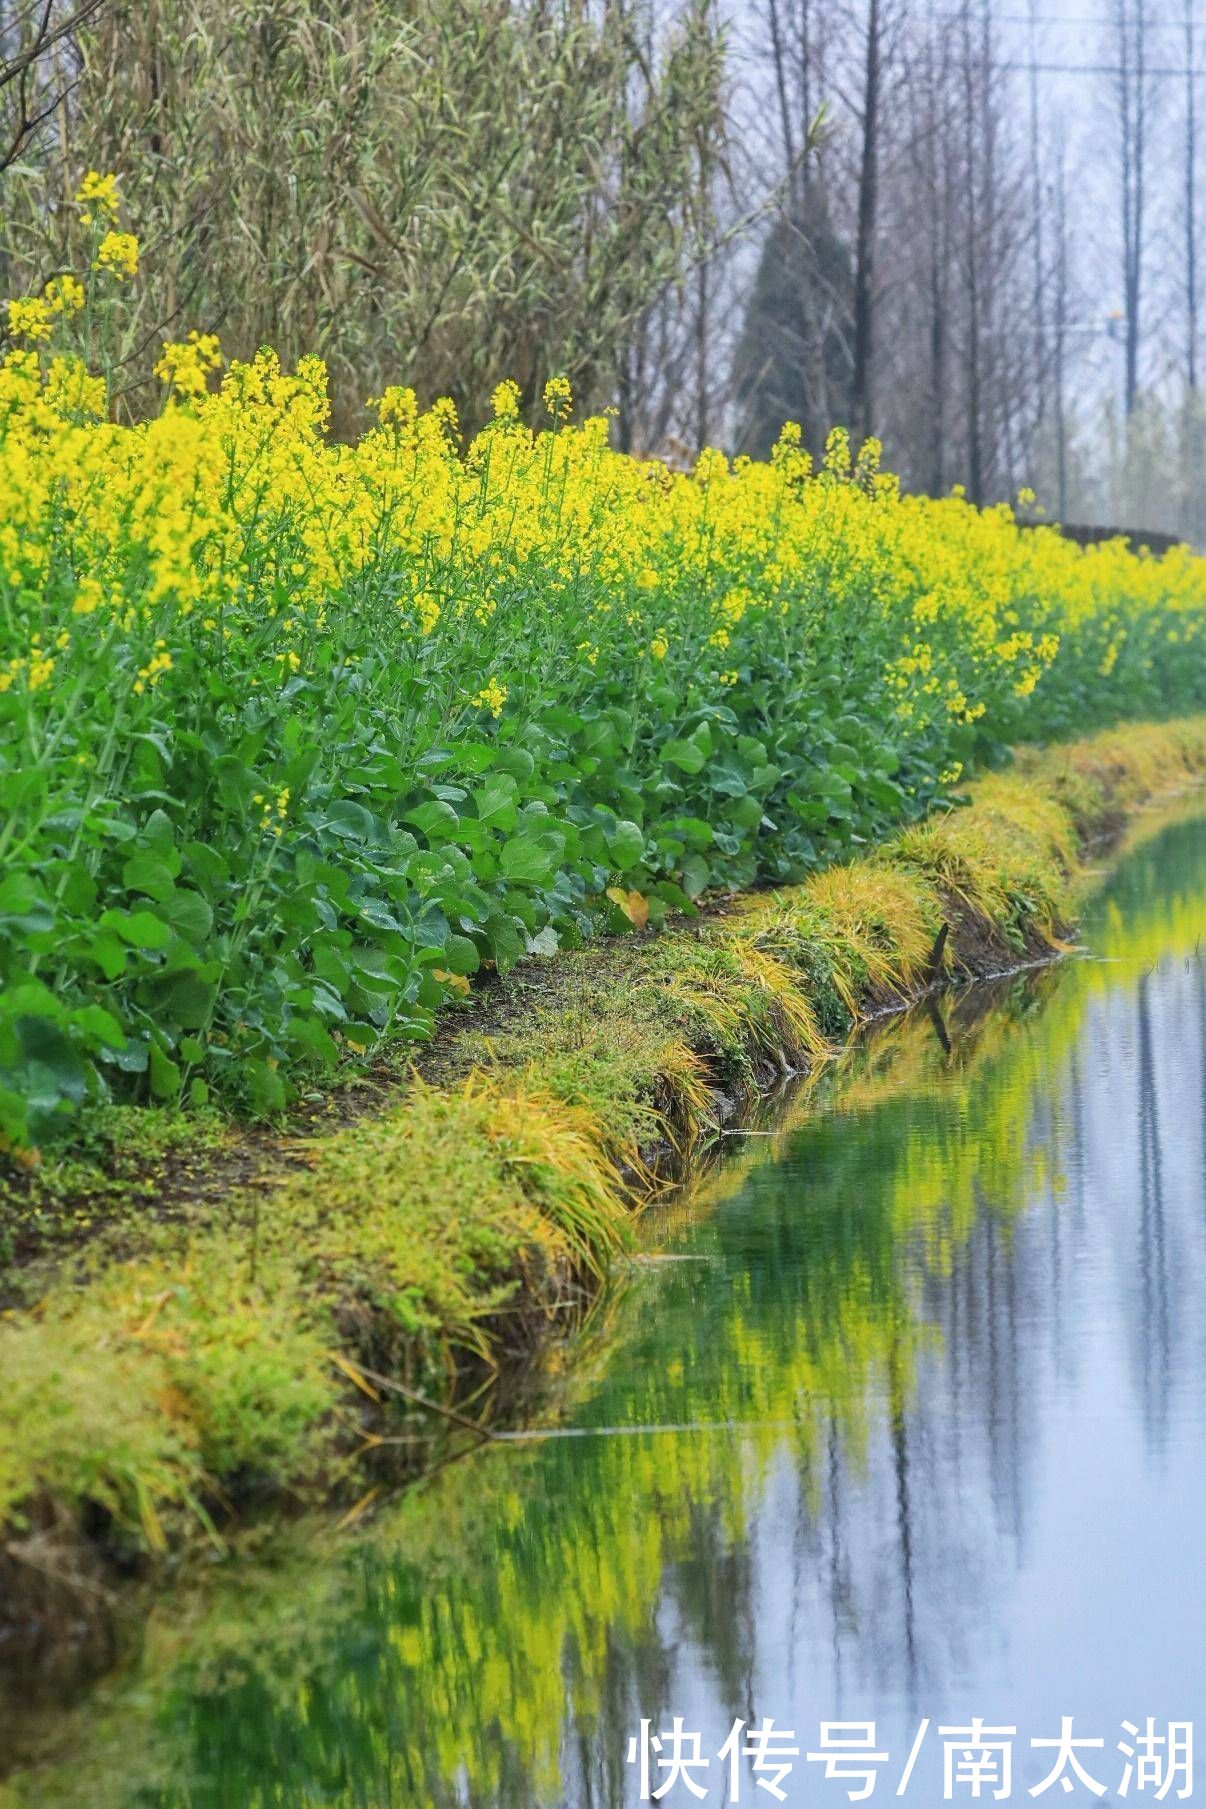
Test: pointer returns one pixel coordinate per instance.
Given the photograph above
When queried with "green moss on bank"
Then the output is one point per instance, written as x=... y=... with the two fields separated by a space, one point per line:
x=144 y=1398
x=229 y=1356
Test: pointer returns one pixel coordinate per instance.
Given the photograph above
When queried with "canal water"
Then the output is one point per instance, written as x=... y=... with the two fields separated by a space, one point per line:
x=893 y=1437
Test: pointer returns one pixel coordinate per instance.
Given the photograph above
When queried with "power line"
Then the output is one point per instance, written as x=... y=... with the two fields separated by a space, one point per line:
x=1080 y=21
x=1030 y=67
x=1177 y=25
x=1099 y=69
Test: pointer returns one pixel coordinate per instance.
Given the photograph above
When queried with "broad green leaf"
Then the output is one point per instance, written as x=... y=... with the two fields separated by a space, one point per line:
x=54 y=1067
x=23 y=904
x=206 y=865
x=165 y=1074
x=149 y=873
x=505 y=944
x=350 y=821
x=625 y=844
x=460 y=955
x=526 y=862
x=99 y=1025
x=435 y=819
x=686 y=755
x=495 y=803
x=141 y=929
x=190 y=916
x=695 y=875
x=185 y=999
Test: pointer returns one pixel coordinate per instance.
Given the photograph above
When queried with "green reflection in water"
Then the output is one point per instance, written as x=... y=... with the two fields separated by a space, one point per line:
x=494 y=1638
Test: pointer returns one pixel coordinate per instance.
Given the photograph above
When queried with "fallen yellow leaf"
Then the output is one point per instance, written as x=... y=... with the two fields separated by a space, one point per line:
x=634 y=905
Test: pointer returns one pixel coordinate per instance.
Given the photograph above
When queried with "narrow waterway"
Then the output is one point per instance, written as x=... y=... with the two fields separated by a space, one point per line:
x=901 y=1420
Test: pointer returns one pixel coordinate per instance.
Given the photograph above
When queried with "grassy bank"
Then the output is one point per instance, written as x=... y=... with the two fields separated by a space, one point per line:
x=234 y=1344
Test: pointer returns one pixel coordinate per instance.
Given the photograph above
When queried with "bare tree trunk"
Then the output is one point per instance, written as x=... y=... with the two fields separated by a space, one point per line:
x=813 y=306
x=1134 y=295
x=938 y=179
x=625 y=390
x=975 y=445
x=807 y=106
x=1191 y=449
x=786 y=125
x=987 y=251
x=1036 y=190
x=1060 y=325
x=1191 y=204
x=868 y=191
x=1131 y=79
x=703 y=313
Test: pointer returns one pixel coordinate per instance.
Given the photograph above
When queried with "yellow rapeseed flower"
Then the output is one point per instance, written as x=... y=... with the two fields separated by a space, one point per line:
x=491 y=697
x=64 y=295
x=396 y=406
x=96 y=197
x=150 y=674
x=29 y=317
x=186 y=364
x=88 y=596
x=118 y=254
x=70 y=387
x=558 y=397
x=505 y=401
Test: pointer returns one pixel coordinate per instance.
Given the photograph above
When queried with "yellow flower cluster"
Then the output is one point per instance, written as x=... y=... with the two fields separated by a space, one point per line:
x=29 y=318
x=33 y=316
x=186 y=366
x=558 y=397
x=505 y=401
x=274 y=810
x=96 y=197
x=491 y=697
x=118 y=254
x=159 y=663
x=475 y=564
x=64 y=295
